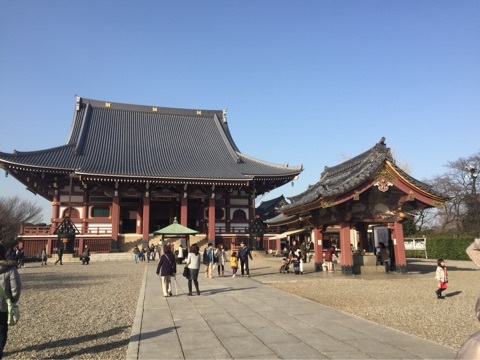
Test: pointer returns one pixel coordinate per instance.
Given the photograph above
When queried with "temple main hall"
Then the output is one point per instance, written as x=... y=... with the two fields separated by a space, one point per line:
x=129 y=170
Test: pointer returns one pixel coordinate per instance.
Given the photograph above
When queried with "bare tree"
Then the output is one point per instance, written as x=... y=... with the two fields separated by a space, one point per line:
x=456 y=183
x=13 y=213
x=426 y=219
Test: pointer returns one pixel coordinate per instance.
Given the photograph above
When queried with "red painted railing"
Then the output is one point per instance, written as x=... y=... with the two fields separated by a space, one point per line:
x=35 y=230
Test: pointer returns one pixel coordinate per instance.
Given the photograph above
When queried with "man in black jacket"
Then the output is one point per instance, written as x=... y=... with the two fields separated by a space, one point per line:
x=243 y=254
x=60 y=254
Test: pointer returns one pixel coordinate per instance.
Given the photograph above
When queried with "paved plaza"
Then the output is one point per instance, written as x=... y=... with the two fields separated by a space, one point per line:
x=243 y=318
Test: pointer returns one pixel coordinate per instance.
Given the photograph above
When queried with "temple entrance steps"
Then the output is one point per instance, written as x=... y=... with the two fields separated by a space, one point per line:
x=117 y=256
x=112 y=257
x=368 y=269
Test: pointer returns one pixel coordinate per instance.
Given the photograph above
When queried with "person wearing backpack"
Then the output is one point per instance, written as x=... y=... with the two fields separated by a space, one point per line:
x=10 y=282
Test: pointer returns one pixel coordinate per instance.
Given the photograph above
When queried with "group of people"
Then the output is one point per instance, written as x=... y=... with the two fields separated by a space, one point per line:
x=147 y=253
x=217 y=258
x=294 y=257
x=167 y=266
x=84 y=256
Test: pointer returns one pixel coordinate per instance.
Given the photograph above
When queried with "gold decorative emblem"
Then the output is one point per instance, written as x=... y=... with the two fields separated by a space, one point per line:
x=154 y=109
x=107 y=105
x=410 y=196
x=383 y=184
x=327 y=202
x=356 y=195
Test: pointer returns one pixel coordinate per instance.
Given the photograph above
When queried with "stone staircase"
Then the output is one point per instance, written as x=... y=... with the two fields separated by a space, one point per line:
x=116 y=256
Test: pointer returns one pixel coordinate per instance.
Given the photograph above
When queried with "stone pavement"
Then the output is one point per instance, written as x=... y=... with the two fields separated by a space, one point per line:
x=242 y=318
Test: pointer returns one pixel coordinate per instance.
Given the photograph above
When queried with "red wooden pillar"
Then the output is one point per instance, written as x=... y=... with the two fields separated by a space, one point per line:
x=318 y=248
x=115 y=217
x=50 y=245
x=81 y=247
x=55 y=206
x=184 y=210
x=227 y=212
x=345 y=248
x=146 y=218
x=211 y=219
x=85 y=212
x=399 y=246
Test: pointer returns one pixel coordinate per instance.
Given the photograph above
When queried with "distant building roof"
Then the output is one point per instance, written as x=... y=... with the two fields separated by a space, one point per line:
x=270 y=208
x=122 y=140
x=349 y=174
x=269 y=205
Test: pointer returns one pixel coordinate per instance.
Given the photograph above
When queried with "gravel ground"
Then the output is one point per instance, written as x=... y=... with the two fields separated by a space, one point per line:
x=75 y=311
x=86 y=312
x=404 y=302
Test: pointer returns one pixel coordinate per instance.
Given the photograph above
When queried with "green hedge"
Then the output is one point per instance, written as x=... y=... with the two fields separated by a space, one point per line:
x=444 y=246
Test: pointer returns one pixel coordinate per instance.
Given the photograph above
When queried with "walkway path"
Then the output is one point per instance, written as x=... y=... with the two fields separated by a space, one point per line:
x=242 y=318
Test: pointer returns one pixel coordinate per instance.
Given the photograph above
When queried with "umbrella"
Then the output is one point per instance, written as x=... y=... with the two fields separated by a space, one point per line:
x=473 y=251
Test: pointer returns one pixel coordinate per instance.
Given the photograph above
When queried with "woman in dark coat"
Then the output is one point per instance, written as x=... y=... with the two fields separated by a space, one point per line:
x=166 y=269
x=10 y=282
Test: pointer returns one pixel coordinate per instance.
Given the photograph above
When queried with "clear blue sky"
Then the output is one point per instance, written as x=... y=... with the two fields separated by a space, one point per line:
x=304 y=82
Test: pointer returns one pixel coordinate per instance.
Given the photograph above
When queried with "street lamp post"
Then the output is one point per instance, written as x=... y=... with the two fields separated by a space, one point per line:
x=474 y=174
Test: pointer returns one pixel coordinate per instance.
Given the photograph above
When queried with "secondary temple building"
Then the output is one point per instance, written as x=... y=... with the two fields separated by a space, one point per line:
x=355 y=206
x=131 y=169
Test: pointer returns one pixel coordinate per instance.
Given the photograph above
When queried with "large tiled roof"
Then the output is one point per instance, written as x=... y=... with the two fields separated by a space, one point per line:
x=346 y=176
x=113 y=139
x=269 y=205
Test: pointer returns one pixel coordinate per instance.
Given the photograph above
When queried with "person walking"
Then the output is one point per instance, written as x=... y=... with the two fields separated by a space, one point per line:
x=234 y=263
x=221 y=257
x=208 y=259
x=385 y=256
x=243 y=254
x=147 y=253
x=86 y=256
x=331 y=251
x=44 y=256
x=166 y=269
x=180 y=254
x=153 y=251
x=20 y=258
x=10 y=282
x=442 y=278
x=136 y=254
x=60 y=255
x=193 y=263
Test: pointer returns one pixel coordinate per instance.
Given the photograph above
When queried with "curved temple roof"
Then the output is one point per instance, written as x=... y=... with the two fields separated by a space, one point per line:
x=346 y=176
x=113 y=139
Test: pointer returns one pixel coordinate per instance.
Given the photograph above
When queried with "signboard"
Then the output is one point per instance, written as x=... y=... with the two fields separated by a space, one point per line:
x=381 y=234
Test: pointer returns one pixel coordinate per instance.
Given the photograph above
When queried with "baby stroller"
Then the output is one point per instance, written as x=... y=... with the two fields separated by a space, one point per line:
x=296 y=266
x=285 y=266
